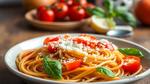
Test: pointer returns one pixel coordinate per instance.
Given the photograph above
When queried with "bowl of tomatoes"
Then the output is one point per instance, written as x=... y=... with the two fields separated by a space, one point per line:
x=62 y=15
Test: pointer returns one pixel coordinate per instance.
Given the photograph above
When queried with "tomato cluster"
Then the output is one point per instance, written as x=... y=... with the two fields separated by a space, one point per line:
x=75 y=10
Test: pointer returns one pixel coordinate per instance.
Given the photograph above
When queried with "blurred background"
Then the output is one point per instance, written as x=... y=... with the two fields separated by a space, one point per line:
x=10 y=1
x=138 y=14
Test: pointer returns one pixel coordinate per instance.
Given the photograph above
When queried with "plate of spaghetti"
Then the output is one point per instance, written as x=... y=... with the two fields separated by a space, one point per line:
x=79 y=58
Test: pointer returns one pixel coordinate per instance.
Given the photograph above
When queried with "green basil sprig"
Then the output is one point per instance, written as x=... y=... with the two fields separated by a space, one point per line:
x=105 y=71
x=109 y=7
x=110 y=11
x=126 y=16
x=52 y=67
x=96 y=11
x=131 y=51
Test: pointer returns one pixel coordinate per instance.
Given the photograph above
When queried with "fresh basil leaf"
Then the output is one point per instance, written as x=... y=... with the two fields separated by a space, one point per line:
x=131 y=51
x=119 y=10
x=123 y=14
x=109 y=7
x=105 y=71
x=52 y=67
x=96 y=11
x=99 y=9
x=128 y=18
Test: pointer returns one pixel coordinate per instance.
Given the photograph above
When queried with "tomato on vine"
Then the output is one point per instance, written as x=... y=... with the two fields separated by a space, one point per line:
x=45 y=14
x=60 y=10
x=79 y=2
x=68 y=2
x=76 y=13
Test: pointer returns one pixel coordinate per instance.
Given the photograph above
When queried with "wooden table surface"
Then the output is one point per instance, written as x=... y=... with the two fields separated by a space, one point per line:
x=14 y=29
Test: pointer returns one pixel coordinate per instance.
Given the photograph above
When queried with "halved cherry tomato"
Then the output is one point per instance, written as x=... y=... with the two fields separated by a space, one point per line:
x=73 y=64
x=60 y=10
x=76 y=13
x=45 y=14
x=99 y=44
x=131 y=64
x=79 y=2
x=85 y=42
x=50 y=39
x=52 y=49
x=68 y=2
x=80 y=40
x=91 y=44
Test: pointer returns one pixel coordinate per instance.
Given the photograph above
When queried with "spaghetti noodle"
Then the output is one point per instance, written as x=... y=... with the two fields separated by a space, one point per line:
x=83 y=58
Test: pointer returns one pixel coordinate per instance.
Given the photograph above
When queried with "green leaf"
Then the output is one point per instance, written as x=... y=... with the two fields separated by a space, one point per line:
x=96 y=11
x=109 y=7
x=105 y=71
x=52 y=67
x=127 y=17
x=131 y=51
x=120 y=10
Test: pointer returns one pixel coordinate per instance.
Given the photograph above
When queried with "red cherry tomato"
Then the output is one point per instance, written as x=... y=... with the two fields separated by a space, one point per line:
x=73 y=64
x=79 y=2
x=52 y=49
x=60 y=10
x=68 y=2
x=91 y=44
x=41 y=8
x=86 y=6
x=45 y=14
x=76 y=13
x=80 y=40
x=131 y=64
x=50 y=39
x=84 y=42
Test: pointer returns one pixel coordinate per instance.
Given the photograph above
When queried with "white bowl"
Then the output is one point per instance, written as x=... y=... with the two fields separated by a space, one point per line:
x=12 y=53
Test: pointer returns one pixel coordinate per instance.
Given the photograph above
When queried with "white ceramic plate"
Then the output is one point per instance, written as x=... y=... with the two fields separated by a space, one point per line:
x=37 y=42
